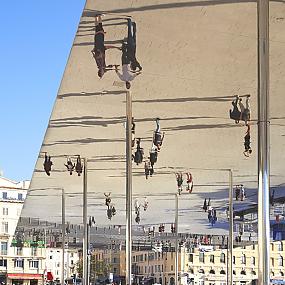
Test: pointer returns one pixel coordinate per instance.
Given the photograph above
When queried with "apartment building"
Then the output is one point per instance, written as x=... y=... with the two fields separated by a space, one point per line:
x=20 y=263
x=54 y=262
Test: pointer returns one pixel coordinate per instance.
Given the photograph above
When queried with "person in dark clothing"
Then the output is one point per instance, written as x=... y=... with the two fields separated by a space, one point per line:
x=205 y=205
x=70 y=166
x=147 y=168
x=47 y=164
x=133 y=132
x=99 y=49
x=153 y=155
x=235 y=114
x=132 y=45
x=247 y=148
x=179 y=179
x=237 y=192
x=158 y=136
x=78 y=166
x=138 y=156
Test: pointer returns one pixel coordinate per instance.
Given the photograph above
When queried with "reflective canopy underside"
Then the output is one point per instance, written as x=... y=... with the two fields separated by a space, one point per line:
x=196 y=55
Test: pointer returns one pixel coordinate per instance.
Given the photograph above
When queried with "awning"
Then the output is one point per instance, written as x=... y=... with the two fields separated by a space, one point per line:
x=24 y=276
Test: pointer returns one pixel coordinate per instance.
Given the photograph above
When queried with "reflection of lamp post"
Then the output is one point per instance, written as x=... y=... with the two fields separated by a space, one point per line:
x=89 y=225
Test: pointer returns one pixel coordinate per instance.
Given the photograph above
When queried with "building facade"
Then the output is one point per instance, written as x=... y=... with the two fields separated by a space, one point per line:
x=210 y=267
x=20 y=263
x=54 y=262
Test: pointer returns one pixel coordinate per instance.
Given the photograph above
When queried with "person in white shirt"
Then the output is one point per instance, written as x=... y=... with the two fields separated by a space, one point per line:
x=126 y=74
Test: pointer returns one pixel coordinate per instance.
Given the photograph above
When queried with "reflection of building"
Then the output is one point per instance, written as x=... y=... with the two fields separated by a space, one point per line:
x=54 y=262
x=208 y=268
x=158 y=267
x=20 y=263
x=203 y=265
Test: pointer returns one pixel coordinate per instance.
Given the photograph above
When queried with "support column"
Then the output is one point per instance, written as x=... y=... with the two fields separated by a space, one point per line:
x=176 y=239
x=128 y=188
x=85 y=232
x=231 y=230
x=63 y=233
x=263 y=143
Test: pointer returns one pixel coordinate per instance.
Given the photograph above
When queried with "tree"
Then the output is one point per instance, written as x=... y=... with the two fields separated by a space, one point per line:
x=98 y=268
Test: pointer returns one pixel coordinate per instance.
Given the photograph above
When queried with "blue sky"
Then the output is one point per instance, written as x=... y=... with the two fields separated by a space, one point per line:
x=36 y=37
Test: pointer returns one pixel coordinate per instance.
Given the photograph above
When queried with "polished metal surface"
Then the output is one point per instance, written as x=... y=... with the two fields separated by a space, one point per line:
x=263 y=143
x=192 y=69
x=129 y=195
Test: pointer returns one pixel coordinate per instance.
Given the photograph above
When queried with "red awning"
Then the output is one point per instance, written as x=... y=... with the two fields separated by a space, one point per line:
x=24 y=276
x=49 y=276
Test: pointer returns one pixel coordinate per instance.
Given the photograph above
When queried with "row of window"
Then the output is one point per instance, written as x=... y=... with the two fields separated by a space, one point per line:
x=19 y=263
x=18 y=250
x=150 y=269
x=150 y=256
x=243 y=259
x=5 y=196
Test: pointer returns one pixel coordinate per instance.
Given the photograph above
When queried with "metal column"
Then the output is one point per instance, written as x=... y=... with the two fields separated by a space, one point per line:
x=85 y=232
x=263 y=143
x=128 y=188
x=63 y=233
x=231 y=230
x=176 y=239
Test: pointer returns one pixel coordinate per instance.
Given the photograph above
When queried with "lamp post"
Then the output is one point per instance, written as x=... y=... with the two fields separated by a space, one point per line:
x=63 y=233
x=85 y=230
x=128 y=188
x=176 y=239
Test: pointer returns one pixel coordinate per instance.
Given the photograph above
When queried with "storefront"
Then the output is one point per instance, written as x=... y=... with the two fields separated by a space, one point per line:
x=24 y=279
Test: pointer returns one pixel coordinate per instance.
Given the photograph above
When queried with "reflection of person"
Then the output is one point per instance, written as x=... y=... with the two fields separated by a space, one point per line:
x=158 y=136
x=247 y=148
x=47 y=164
x=126 y=75
x=99 y=46
x=235 y=114
x=132 y=45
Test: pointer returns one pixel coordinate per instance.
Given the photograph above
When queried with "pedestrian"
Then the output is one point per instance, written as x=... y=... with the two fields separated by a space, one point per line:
x=47 y=164
x=70 y=166
x=99 y=49
x=126 y=75
x=235 y=114
x=132 y=45
x=247 y=148
x=153 y=155
x=158 y=136
x=147 y=168
x=133 y=132
x=205 y=205
x=138 y=157
x=245 y=110
x=242 y=192
x=237 y=192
